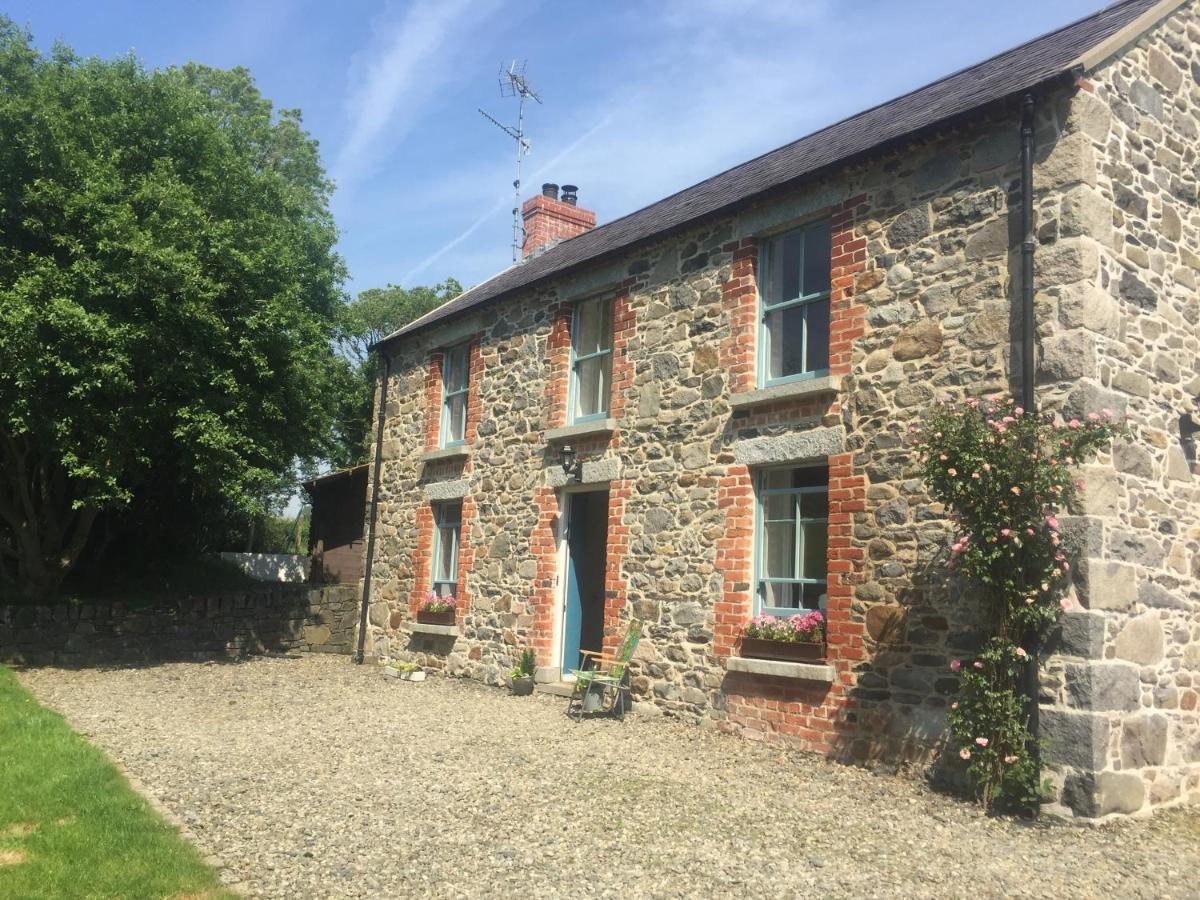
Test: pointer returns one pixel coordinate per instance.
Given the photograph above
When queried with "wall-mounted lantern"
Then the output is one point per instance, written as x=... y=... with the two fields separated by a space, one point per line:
x=570 y=462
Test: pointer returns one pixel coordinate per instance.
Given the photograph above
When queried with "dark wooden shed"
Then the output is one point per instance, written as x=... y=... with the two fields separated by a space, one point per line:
x=335 y=537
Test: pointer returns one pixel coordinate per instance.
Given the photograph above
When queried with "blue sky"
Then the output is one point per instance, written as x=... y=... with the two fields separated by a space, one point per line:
x=641 y=98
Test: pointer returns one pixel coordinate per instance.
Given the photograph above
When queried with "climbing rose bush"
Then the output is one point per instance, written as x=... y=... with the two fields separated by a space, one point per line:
x=808 y=628
x=1003 y=474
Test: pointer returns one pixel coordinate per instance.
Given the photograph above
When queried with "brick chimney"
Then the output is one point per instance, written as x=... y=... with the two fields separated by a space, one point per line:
x=550 y=218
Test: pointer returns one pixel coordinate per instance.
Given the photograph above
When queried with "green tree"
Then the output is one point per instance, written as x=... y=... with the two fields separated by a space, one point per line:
x=371 y=316
x=168 y=296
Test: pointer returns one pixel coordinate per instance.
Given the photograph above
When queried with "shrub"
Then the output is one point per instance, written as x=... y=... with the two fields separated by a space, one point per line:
x=526 y=665
x=1003 y=473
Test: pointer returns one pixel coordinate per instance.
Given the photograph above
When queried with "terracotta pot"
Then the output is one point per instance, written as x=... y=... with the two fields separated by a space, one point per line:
x=786 y=651
x=446 y=617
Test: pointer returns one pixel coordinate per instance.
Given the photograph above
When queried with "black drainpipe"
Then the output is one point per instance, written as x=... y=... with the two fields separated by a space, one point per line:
x=386 y=361
x=1028 y=399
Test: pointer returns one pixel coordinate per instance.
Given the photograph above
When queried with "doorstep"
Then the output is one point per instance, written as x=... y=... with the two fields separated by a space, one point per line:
x=555 y=688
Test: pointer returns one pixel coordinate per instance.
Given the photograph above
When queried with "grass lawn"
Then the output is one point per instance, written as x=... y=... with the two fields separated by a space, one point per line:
x=70 y=825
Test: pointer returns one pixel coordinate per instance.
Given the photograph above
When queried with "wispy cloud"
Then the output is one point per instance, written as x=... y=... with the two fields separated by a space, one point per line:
x=690 y=114
x=397 y=76
x=505 y=203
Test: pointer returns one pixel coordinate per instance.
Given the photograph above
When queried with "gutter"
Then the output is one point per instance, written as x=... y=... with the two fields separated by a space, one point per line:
x=1032 y=641
x=384 y=375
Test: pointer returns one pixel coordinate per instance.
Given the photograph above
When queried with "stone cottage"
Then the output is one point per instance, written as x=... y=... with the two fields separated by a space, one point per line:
x=700 y=412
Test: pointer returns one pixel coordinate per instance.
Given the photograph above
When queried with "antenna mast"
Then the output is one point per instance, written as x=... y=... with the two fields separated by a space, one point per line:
x=513 y=83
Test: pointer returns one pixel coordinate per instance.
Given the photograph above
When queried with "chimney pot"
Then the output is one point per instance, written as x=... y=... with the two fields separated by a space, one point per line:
x=549 y=189
x=569 y=192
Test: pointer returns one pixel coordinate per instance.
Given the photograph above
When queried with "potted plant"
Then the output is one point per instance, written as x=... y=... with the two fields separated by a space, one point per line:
x=799 y=638
x=521 y=675
x=436 y=610
x=404 y=671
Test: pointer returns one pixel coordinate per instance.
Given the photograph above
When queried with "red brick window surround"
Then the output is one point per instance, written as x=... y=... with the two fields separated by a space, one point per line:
x=443 y=556
x=817 y=716
x=433 y=400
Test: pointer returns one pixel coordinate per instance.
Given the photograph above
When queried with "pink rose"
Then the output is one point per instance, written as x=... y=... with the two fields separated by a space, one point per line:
x=952 y=472
x=1016 y=490
x=1064 y=603
x=1052 y=522
x=1006 y=531
x=981 y=741
x=1107 y=413
x=1010 y=759
x=964 y=753
x=1021 y=652
x=955 y=665
x=978 y=664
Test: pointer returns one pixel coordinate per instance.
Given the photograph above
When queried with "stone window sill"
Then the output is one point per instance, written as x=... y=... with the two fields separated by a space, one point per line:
x=426 y=628
x=778 y=669
x=445 y=454
x=583 y=429
x=795 y=390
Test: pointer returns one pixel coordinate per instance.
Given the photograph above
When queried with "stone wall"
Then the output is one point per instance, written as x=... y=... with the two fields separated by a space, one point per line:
x=277 y=618
x=926 y=247
x=920 y=309
x=1123 y=716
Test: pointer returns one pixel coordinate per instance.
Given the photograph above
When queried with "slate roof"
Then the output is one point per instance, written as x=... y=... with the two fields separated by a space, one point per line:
x=1042 y=59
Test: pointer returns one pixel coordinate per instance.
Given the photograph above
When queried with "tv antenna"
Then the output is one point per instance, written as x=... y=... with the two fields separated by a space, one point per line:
x=513 y=83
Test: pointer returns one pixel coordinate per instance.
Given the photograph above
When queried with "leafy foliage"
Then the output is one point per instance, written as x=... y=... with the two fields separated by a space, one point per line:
x=1004 y=473
x=377 y=312
x=371 y=316
x=526 y=665
x=168 y=294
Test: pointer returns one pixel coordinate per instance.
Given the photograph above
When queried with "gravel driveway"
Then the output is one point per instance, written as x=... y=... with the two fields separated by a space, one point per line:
x=313 y=777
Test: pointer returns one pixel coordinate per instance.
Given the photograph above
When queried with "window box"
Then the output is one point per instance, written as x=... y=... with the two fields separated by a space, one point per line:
x=784 y=651
x=444 y=617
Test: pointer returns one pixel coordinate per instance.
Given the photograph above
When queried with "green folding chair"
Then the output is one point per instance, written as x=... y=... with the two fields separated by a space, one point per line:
x=606 y=677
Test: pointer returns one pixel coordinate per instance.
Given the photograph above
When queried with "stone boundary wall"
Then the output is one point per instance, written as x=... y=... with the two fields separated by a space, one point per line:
x=268 y=619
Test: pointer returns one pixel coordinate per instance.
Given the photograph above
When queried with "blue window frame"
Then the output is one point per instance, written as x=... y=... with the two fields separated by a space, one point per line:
x=456 y=363
x=794 y=317
x=591 y=359
x=792 y=537
x=447 y=519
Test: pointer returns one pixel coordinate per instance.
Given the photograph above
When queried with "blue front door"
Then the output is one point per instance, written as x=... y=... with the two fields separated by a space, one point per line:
x=573 y=612
x=583 y=608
